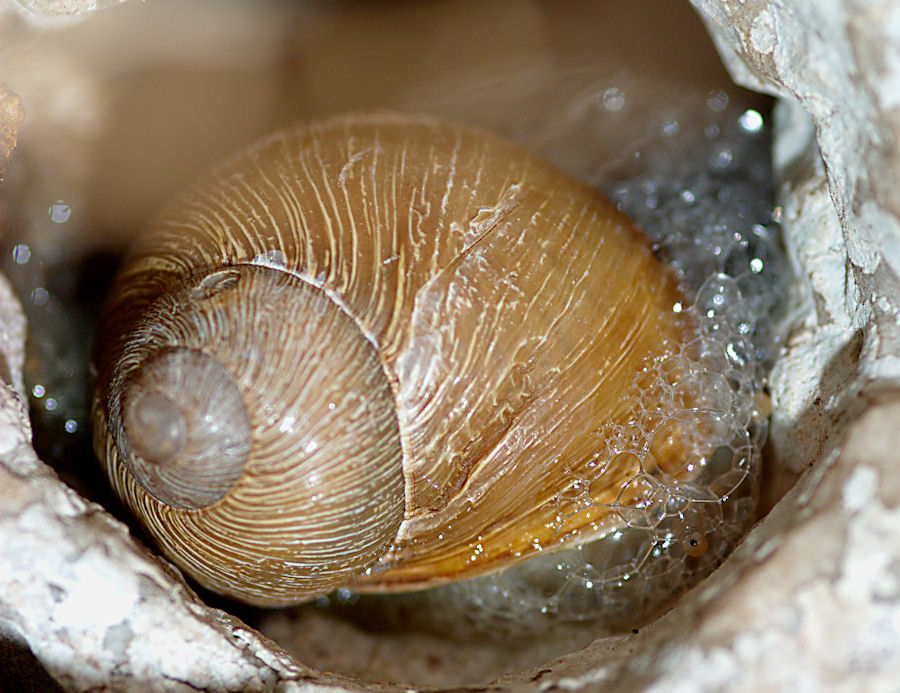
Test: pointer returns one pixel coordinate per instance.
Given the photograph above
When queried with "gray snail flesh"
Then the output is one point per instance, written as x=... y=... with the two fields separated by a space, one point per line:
x=376 y=352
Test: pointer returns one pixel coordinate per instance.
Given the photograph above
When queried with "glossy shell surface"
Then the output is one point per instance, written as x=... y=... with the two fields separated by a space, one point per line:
x=500 y=311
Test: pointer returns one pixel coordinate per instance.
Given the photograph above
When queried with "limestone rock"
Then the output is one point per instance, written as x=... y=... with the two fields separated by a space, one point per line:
x=836 y=61
x=11 y=114
x=51 y=8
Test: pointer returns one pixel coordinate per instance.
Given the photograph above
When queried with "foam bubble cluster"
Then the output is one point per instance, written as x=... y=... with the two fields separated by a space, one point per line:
x=706 y=203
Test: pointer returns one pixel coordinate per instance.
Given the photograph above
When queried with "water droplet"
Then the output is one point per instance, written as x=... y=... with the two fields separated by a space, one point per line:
x=40 y=296
x=270 y=258
x=717 y=101
x=21 y=254
x=60 y=212
x=723 y=158
x=751 y=121
x=613 y=99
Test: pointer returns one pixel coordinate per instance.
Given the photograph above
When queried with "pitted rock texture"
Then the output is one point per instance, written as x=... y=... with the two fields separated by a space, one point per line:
x=11 y=115
x=52 y=8
x=837 y=61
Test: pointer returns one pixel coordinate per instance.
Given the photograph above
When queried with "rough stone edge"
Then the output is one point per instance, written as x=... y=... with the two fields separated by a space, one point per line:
x=830 y=58
x=11 y=116
x=811 y=599
x=64 y=8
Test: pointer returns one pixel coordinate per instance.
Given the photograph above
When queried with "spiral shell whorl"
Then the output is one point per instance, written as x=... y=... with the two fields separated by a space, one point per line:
x=315 y=494
x=185 y=433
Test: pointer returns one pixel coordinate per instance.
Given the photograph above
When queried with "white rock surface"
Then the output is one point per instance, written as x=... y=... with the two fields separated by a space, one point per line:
x=54 y=8
x=11 y=114
x=837 y=60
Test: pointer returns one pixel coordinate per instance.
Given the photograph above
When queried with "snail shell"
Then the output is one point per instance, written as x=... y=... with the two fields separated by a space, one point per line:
x=374 y=352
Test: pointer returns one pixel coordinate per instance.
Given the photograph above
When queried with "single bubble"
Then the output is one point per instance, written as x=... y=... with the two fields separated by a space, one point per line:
x=688 y=196
x=723 y=158
x=751 y=121
x=735 y=355
x=60 y=212
x=717 y=101
x=649 y=186
x=613 y=99
x=40 y=296
x=347 y=596
x=756 y=265
x=21 y=254
x=50 y=404
x=270 y=258
x=38 y=391
x=670 y=128
x=71 y=425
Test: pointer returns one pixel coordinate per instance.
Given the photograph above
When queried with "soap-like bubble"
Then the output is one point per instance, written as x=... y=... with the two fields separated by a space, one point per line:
x=708 y=212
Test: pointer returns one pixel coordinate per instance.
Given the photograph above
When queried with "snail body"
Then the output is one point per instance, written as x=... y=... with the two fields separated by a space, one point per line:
x=376 y=352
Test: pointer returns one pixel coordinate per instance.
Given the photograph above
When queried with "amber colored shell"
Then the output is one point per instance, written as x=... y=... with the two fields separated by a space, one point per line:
x=507 y=307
